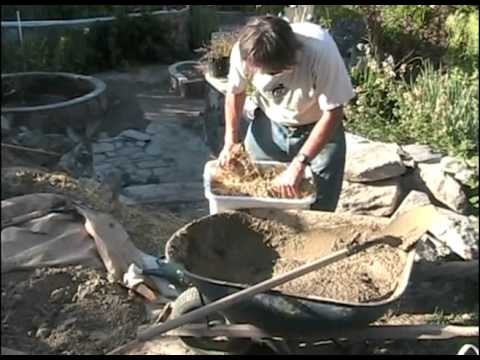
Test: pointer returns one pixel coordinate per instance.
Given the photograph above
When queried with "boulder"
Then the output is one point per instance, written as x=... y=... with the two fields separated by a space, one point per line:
x=430 y=249
x=458 y=169
x=379 y=198
x=372 y=161
x=412 y=200
x=459 y=233
x=443 y=186
x=421 y=153
x=135 y=135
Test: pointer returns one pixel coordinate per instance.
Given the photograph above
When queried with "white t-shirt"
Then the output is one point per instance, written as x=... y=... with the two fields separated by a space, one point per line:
x=318 y=82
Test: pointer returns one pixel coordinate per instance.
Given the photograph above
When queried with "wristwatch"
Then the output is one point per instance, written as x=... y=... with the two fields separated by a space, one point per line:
x=303 y=159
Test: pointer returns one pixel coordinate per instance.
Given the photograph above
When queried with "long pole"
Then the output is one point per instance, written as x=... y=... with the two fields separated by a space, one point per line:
x=256 y=289
x=20 y=36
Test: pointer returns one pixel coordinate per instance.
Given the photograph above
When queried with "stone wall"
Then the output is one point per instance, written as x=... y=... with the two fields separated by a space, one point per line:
x=387 y=180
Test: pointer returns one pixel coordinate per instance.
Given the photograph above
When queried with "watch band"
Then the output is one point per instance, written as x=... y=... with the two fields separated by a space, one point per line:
x=303 y=159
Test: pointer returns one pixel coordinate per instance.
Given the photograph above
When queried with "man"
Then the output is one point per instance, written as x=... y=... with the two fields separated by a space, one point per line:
x=302 y=85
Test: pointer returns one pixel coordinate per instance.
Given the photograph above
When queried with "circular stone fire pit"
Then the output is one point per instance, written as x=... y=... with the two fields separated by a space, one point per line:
x=53 y=101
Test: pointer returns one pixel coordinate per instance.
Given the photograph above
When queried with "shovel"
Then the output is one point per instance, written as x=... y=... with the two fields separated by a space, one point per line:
x=403 y=232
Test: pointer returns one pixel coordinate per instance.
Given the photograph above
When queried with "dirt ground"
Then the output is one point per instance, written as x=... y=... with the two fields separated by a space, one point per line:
x=67 y=311
x=89 y=315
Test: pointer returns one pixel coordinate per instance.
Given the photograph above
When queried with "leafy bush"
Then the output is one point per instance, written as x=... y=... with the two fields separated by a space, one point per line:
x=437 y=108
x=329 y=15
x=270 y=9
x=411 y=16
x=67 y=12
x=463 y=29
x=203 y=21
x=441 y=109
x=371 y=113
x=125 y=41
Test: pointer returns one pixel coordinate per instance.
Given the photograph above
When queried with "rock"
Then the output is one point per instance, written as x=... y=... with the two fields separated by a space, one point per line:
x=98 y=335
x=58 y=143
x=153 y=128
x=6 y=123
x=354 y=141
x=102 y=147
x=103 y=135
x=414 y=199
x=430 y=249
x=458 y=169
x=443 y=186
x=451 y=165
x=34 y=138
x=77 y=161
x=127 y=151
x=17 y=298
x=56 y=295
x=135 y=134
x=73 y=135
x=377 y=199
x=465 y=175
x=385 y=163
x=154 y=148
x=69 y=322
x=458 y=232
x=37 y=321
x=97 y=158
x=421 y=153
x=42 y=333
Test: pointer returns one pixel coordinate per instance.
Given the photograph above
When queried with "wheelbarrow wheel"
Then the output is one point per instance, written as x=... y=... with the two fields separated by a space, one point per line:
x=191 y=300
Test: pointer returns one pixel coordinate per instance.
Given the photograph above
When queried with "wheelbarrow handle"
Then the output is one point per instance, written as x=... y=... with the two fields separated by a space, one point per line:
x=261 y=287
x=170 y=271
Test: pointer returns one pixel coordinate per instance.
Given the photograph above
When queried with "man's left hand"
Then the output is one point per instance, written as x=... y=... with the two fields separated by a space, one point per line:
x=287 y=184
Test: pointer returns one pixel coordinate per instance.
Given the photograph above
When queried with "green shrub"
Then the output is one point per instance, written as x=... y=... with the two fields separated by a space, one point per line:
x=270 y=9
x=463 y=29
x=203 y=21
x=441 y=109
x=328 y=15
x=67 y=12
x=371 y=113
x=125 y=41
x=400 y=16
x=438 y=109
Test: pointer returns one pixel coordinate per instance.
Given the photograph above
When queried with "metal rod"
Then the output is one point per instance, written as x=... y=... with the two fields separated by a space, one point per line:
x=20 y=34
x=41 y=151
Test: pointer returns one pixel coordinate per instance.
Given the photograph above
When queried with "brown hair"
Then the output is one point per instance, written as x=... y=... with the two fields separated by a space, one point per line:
x=268 y=42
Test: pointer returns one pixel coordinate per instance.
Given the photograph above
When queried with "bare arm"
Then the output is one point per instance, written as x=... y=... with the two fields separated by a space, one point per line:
x=233 y=111
x=288 y=182
x=234 y=104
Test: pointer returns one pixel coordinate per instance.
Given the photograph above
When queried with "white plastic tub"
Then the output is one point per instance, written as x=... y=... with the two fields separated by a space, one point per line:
x=222 y=203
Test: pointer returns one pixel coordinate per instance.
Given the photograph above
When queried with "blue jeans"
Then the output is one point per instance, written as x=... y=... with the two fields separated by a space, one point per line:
x=268 y=140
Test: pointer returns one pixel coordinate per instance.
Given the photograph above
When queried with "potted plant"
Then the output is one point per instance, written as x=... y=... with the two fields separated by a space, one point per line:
x=217 y=54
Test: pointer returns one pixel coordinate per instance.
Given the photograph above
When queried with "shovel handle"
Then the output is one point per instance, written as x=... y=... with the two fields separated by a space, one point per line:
x=261 y=287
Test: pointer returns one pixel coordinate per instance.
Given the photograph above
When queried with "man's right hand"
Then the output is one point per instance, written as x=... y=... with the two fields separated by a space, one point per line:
x=226 y=155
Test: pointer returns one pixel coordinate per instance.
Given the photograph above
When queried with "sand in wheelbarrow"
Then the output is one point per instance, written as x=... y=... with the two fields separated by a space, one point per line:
x=243 y=249
x=71 y=310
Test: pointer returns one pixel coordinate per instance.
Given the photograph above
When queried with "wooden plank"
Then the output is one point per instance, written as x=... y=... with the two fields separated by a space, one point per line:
x=399 y=332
